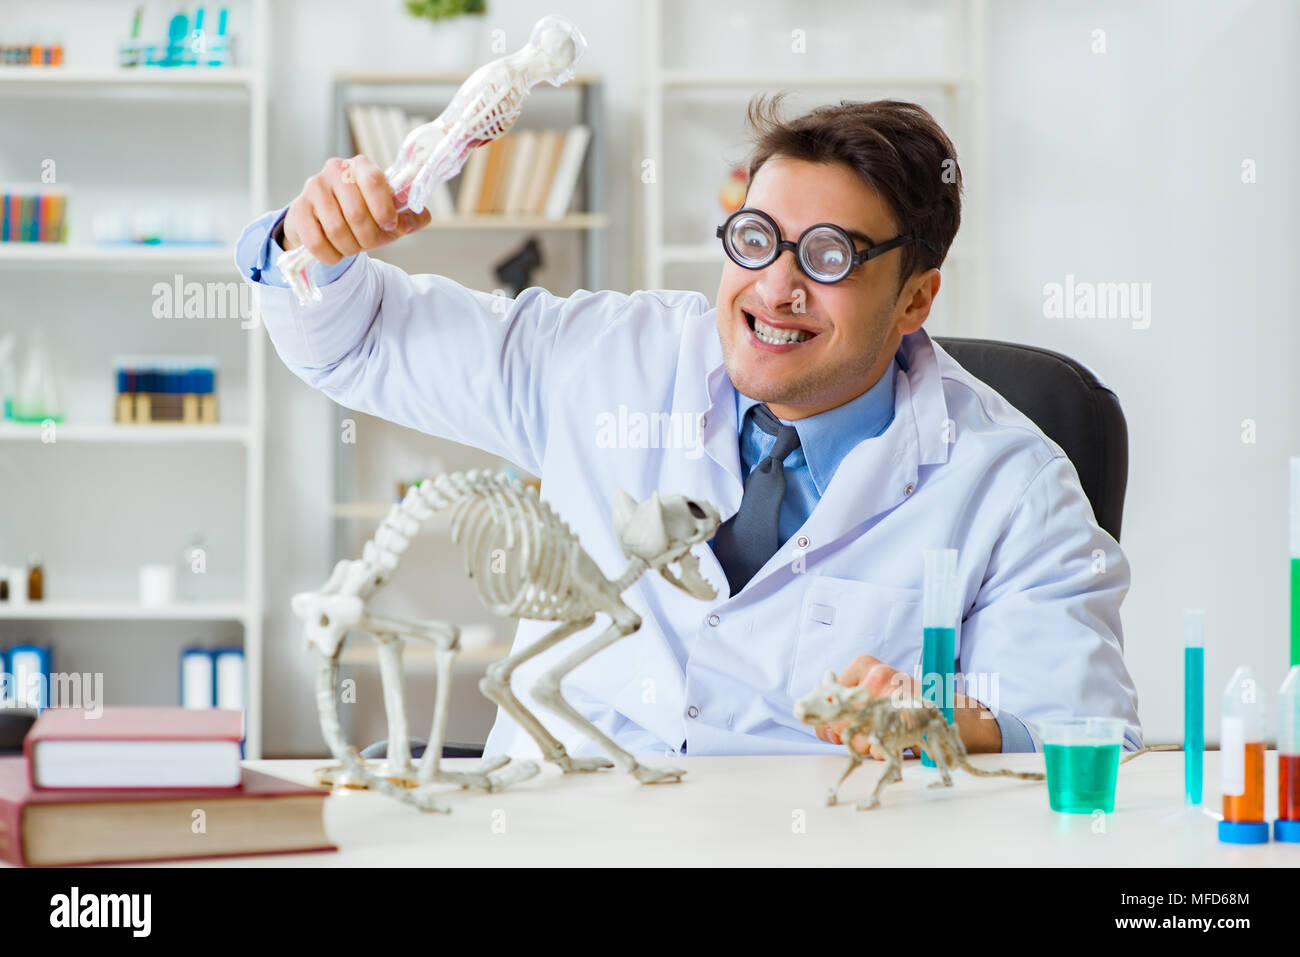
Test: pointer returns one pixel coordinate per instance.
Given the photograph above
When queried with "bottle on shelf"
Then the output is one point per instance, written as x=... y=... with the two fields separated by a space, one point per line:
x=38 y=393
x=35 y=578
x=17 y=576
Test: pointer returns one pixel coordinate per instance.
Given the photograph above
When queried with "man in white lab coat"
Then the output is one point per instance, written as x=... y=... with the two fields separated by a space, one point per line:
x=836 y=439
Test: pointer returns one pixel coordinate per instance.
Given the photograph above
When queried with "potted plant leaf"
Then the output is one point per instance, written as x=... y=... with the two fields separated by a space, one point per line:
x=458 y=30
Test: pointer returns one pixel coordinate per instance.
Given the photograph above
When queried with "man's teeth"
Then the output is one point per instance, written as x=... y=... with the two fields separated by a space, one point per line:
x=778 y=337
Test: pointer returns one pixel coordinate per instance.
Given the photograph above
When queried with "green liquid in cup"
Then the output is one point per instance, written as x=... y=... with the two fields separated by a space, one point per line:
x=1081 y=777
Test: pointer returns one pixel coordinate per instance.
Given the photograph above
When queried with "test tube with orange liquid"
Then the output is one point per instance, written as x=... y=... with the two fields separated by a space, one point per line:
x=1241 y=761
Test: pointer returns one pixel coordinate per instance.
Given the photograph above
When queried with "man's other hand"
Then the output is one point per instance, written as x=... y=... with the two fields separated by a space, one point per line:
x=973 y=721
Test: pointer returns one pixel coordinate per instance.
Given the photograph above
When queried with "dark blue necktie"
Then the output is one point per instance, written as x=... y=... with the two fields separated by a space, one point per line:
x=745 y=542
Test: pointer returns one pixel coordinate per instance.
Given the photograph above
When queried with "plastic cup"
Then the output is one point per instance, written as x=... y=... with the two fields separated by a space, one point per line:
x=1082 y=757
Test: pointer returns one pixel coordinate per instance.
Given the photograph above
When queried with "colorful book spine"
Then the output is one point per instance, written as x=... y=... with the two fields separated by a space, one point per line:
x=33 y=217
x=179 y=390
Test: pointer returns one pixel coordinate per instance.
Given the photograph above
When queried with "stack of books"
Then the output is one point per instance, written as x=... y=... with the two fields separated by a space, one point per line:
x=524 y=173
x=147 y=784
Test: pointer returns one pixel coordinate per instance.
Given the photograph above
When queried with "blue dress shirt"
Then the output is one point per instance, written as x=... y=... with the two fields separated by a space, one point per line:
x=824 y=440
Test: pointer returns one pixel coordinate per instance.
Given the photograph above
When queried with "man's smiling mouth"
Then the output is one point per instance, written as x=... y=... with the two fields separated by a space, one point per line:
x=773 y=335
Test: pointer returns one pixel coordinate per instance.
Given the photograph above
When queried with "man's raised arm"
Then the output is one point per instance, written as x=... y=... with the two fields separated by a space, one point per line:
x=421 y=351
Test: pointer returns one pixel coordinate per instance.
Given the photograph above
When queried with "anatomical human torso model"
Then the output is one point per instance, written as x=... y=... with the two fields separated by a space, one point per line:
x=526 y=563
x=483 y=109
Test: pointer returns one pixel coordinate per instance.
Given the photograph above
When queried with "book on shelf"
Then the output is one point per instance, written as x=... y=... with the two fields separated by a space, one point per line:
x=547 y=158
x=522 y=158
x=489 y=197
x=378 y=133
x=565 y=179
x=524 y=173
x=471 y=181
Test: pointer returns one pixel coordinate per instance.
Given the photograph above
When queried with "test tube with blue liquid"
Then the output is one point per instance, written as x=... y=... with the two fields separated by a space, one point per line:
x=1193 y=705
x=939 y=618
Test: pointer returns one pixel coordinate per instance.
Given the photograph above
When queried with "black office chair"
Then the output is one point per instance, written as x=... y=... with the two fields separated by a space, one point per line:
x=1065 y=400
x=14 y=725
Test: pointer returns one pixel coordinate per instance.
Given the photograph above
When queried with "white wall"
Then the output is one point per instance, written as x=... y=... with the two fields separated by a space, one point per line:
x=1126 y=166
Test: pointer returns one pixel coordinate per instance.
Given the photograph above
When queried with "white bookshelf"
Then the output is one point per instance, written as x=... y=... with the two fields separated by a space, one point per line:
x=668 y=86
x=111 y=446
x=142 y=77
x=149 y=434
x=96 y=610
x=216 y=258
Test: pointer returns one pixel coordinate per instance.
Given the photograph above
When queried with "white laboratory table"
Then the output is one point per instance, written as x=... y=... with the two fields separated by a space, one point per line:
x=769 y=811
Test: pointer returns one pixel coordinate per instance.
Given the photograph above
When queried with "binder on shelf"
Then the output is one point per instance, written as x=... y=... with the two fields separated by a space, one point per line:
x=30 y=668
x=228 y=672
x=6 y=682
x=198 y=678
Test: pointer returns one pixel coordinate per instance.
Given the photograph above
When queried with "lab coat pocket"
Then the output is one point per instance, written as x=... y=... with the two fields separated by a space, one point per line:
x=841 y=619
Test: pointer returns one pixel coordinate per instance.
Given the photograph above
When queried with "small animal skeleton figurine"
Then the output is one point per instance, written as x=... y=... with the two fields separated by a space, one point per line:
x=526 y=563
x=911 y=723
x=891 y=727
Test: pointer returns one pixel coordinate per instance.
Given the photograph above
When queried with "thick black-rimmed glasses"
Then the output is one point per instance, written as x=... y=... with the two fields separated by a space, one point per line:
x=824 y=251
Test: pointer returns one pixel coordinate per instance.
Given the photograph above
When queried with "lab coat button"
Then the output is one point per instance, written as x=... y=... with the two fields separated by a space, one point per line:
x=704 y=420
x=713 y=621
x=802 y=541
x=692 y=712
x=908 y=490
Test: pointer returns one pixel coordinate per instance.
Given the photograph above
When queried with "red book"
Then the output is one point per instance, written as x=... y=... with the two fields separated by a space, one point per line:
x=135 y=748
x=266 y=815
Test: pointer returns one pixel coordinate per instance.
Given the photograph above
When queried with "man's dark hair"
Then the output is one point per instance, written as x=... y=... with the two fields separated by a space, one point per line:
x=896 y=148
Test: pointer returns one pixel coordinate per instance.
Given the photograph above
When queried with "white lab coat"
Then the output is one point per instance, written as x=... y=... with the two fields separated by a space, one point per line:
x=562 y=387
